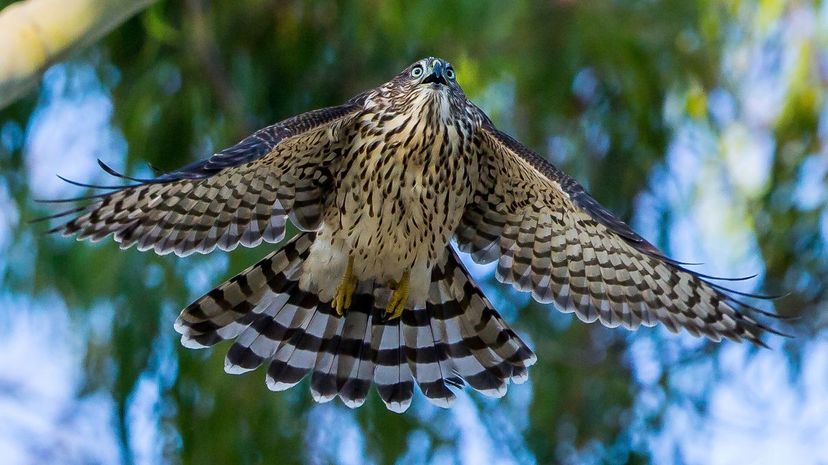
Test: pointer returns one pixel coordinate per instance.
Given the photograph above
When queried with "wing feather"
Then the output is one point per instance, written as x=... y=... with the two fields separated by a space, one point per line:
x=551 y=238
x=241 y=195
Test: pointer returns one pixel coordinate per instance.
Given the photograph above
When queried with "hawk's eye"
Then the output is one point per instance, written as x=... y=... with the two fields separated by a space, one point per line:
x=450 y=74
x=417 y=71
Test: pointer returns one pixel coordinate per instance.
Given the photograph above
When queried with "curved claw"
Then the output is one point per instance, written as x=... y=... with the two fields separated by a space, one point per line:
x=345 y=290
x=398 y=300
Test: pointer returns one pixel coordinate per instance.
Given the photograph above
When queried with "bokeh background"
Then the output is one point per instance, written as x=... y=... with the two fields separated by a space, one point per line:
x=702 y=123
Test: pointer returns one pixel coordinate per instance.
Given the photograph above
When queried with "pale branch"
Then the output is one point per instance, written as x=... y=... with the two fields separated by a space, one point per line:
x=35 y=34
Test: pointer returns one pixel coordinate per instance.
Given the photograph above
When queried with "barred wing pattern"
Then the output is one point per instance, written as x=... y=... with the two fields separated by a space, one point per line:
x=552 y=239
x=458 y=338
x=241 y=195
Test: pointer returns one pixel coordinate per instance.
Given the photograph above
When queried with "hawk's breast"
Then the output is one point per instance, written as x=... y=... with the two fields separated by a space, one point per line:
x=401 y=190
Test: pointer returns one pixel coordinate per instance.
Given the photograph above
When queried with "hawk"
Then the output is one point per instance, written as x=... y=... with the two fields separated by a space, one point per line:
x=385 y=189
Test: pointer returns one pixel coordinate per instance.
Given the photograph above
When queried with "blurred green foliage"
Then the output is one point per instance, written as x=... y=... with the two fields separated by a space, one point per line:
x=194 y=76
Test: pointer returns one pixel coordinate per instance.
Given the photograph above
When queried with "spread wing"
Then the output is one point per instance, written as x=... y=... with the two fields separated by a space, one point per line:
x=551 y=238
x=241 y=195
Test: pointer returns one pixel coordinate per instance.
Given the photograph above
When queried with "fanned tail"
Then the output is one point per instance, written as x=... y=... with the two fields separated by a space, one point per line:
x=457 y=339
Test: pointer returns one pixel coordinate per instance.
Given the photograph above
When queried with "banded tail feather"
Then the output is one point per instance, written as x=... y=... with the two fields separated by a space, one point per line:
x=457 y=339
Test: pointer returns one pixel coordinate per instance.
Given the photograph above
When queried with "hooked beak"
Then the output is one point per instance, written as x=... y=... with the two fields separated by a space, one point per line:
x=436 y=75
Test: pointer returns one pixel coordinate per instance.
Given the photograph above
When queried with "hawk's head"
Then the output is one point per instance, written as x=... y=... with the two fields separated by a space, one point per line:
x=429 y=83
x=430 y=73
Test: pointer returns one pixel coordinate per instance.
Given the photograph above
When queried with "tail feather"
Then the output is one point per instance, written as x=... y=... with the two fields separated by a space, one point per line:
x=448 y=315
x=484 y=351
x=205 y=322
x=427 y=359
x=323 y=379
x=297 y=352
x=355 y=368
x=260 y=339
x=489 y=336
x=267 y=334
x=457 y=339
x=468 y=354
x=395 y=383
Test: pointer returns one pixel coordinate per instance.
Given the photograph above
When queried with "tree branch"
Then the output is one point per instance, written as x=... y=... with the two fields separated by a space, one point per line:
x=34 y=34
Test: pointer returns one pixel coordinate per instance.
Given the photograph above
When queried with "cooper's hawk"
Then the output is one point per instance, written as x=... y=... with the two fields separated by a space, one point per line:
x=371 y=289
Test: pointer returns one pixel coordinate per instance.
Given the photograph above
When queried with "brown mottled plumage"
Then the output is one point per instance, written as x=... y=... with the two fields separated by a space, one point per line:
x=379 y=187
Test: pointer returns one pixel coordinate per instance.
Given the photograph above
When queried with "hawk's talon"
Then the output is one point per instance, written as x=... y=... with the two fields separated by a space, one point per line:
x=345 y=290
x=398 y=300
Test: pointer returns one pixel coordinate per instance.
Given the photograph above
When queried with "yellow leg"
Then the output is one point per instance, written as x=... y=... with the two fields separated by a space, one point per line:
x=345 y=290
x=399 y=299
